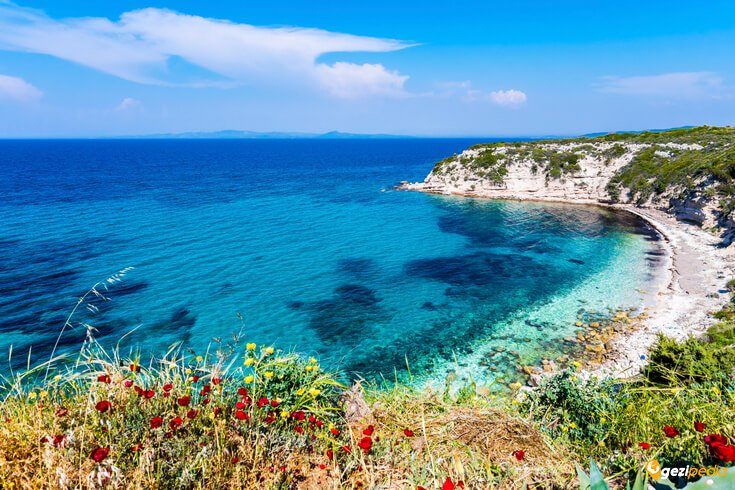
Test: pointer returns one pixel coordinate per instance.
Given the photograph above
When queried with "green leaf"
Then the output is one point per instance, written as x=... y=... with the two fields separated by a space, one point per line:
x=597 y=482
x=584 y=480
x=640 y=480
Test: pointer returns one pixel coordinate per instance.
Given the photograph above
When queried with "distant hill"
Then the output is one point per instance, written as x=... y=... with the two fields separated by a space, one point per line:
x=238 y=134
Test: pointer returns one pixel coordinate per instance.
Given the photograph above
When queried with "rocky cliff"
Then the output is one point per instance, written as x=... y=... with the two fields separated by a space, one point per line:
x=687 y=172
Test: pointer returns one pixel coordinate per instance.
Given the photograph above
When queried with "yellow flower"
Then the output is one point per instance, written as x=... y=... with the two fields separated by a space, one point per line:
x=309 y=368
x=602 y=443
x=603 y=420
x=577 y=363
x=573 y=378
x=268 y=350
x=285 y=414
x=32 y=395
x=250 y=346
x=212 y=415
x=43 y=393
x=314 y=392
x=248 y=380
x=312 y=360
x=57 y=377
x=249 y=361
x=316 y=368
x=300 y=392
x=564 y=428
x=572 y=425
x=200 y=358
x=188 y=371
x=675 y=390
x=716 y=389
x=268 y=374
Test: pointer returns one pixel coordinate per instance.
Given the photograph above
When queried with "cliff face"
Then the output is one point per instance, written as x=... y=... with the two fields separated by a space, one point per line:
x=688 y=173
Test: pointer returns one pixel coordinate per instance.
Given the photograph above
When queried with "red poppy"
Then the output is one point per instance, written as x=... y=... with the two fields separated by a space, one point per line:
x=59 y=440
x=242 y=391
x=346 y=449
x=156 y=422
x=334 y=431
x=217 y=411
x=519 y=454
x=448 y=485
x=192 y=414
x=298 y=415
x=168 y=387
x=127 y=383
x=319 y=424
x=216 y=381
x=312 y=419
x=274 y=403
x=99 y=454
x=330 y=454
x=235 y=460
x=205 y=389
x=103 y=406
x=407 y=432
x=247 y=400
x=322 y=466
x=136 y=448
x=365 y=443
x=175 y=423
x=644 y=445
x=240 y=405
x=104 y=378
x=420 y=488
x=195 y=378
x=205 y=401
x=184 y=401
x=299 y=429
x=699 y=426
x=724 y=452
x=240 y=415
x=369 y=430
x=135 y=368
x=269 y=419
x=715 y=440
x=262 y=402
x=149 y=393
x=670 y=431
x=138 y=390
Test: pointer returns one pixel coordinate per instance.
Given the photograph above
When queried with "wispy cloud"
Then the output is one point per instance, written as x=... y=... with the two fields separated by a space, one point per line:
x=684 y=85
x=17 y=89
x=505 y=98
x=143 y=45
x=129 y=104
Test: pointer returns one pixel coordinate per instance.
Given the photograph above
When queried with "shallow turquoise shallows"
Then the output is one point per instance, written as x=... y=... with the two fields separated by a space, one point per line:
x=309 y=243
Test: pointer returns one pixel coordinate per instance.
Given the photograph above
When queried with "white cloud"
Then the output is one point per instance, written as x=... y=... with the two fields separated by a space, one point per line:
x=508 y=98
x=686 y=85
x=128 y=104
x=348 y=80
x=17 y=89
x=142 y=44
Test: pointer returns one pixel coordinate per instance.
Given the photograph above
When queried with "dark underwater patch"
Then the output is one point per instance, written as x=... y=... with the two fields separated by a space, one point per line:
x=357 y=267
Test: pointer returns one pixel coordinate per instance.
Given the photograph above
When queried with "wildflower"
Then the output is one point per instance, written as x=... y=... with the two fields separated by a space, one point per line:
x=31 y=395
x=99 y=454
x=316 y=368
x=312 y=419
x=168 y=387
x=715 y=440
x=262 y=402
x=319 y=423
x=148 y=394
x=195 y=378
x=312 y=360
x=308 y=368
x=299 y=429
x=448 y=484
x=300 y=391
x=248 y=379
x=175 y=423
x=235 y=460
x=134 y=367
x=334 y=431
x=187 y=371
x=603 y=420
x=572 y=425
x=249 y=361
x=268 y=374
x=285 y=414
x=644 y=445
x=184 y=401
x=724 y=452
x=299 y=415
x=268 y=351
x=136 y=448
x=270 y=418
x=330 y=454
x=240 y=405
x=205 y=390
x=699 y=426
x=240 y=415
x=346 y=449
x=670 y=431
x=216 y=381
x=250 y=346
x=156 y=422
x=212 y=415
x=103 y=406
x=61 y=412
x=519 y=454
x=127 y=383
x=407 y=432
x=369 y=430
x=192 y=414
x=200 y=358
x=59 y=440
x=242 y=391
x=104 y=378
x=365 y=444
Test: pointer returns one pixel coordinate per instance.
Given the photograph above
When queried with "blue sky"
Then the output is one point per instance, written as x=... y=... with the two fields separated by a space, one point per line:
x=83 y=68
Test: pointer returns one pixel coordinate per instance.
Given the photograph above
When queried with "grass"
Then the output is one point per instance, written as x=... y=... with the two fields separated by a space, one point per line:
x=247 y=416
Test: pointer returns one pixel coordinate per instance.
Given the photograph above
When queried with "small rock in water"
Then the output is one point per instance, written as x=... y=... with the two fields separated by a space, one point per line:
x=499 y=348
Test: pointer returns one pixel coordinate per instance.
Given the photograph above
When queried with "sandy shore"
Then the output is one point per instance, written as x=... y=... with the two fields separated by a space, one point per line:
x=689 y=290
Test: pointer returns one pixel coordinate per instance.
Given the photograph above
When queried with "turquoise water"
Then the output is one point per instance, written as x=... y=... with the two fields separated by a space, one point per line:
x=307 y=241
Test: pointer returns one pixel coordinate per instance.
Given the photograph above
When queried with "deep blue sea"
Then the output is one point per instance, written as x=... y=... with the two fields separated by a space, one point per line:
x=307 y=241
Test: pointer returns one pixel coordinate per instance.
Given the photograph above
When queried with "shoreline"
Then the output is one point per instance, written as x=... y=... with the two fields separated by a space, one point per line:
x=690 y=289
